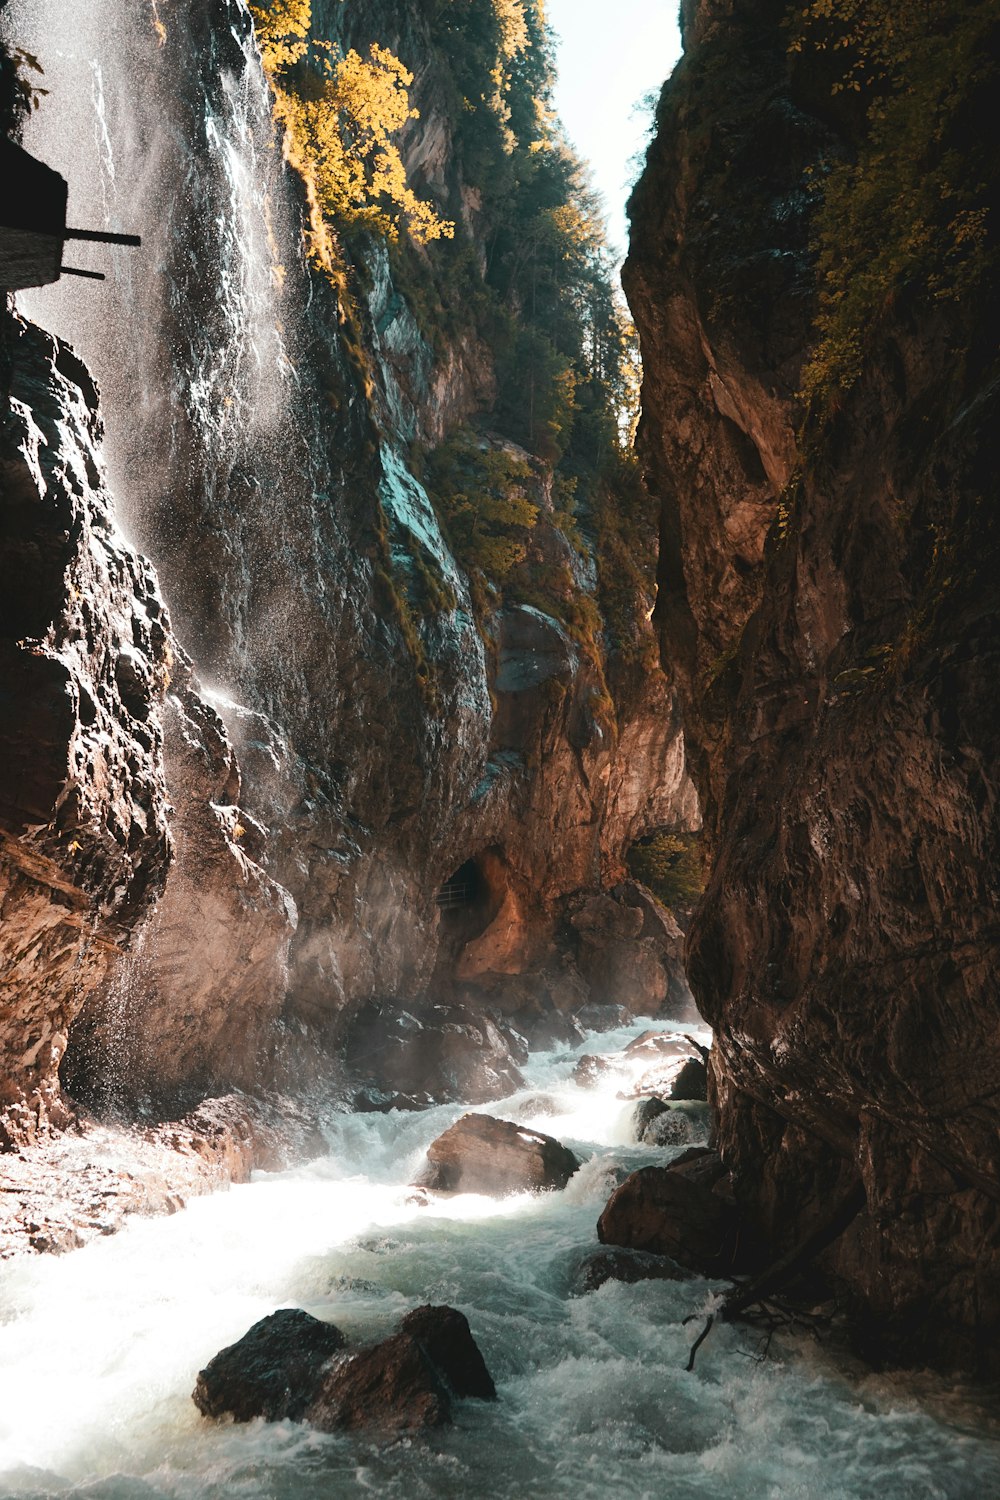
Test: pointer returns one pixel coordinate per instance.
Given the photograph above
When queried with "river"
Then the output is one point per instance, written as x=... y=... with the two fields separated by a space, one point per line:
x=99 y=1349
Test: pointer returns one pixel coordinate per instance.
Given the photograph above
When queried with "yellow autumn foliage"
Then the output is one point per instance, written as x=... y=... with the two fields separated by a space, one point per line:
x=339 y=118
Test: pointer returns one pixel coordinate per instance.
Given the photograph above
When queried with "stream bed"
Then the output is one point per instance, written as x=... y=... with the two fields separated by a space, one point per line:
x=99 y=1349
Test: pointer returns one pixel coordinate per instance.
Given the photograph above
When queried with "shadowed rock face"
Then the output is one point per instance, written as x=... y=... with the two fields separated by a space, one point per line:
x=120 y=792
x=837 y=687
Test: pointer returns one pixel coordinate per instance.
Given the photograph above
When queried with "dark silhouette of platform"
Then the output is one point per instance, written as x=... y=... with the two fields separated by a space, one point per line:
x=33 y=228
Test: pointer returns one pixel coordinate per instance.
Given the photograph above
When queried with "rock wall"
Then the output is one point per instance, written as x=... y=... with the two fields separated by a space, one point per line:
x=288 y=780
x=828 y=610
x=87 y=657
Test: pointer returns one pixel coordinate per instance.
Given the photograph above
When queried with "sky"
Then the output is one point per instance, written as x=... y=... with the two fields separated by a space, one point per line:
x=611 y=53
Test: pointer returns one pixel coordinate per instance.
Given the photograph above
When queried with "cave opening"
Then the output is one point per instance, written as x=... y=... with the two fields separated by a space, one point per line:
x=462 y=889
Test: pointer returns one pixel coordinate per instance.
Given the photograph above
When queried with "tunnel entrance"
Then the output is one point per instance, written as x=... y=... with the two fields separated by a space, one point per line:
x=464 y=888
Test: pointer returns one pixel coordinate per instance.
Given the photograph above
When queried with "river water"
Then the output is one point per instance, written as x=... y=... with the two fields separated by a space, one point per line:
x=99 y=1349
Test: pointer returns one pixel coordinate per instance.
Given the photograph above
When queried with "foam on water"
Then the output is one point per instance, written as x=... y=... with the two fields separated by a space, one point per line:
x=99 y=1349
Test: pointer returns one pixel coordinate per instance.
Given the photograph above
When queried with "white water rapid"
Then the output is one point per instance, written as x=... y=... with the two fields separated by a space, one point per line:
x=99 y=1349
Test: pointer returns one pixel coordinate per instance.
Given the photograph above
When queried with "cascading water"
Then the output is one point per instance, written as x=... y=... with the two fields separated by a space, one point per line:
x=100 y=1349
x=189 y=335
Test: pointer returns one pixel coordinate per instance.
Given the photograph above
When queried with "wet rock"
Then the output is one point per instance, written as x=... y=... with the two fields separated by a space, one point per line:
x=645 y=1112
x=446 y=1338
x=375 y=1101
x=691 y=1082
x=273 y=1371
x=669 y=1128
x=392 y=1386
x=85 y=845
x=482 y=1155
x=590 y=1069
x=538 y=1104
x=666 y=1213
x=446 y=1053
x=618 y=1264
x=602 y=1017
x=549 y=1030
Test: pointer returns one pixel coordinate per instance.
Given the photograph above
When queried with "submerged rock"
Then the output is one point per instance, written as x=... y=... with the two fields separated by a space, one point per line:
x=589 y=1069
x=482 y=1155
x=645 y=1112
x=619 y=1264
x=273 y=1371
x=666 y=1213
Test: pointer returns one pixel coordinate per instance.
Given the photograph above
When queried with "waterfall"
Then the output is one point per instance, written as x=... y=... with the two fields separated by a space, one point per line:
x=159 y=118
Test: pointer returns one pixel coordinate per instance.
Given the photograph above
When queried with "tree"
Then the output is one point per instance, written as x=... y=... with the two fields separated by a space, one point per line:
x=339 y=118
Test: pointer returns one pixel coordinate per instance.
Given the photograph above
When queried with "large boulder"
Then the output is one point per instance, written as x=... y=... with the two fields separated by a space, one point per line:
x=667 y=1213
x=482 y=1155
x=393 y=1385
x=273 y=1371
x=446 y=1338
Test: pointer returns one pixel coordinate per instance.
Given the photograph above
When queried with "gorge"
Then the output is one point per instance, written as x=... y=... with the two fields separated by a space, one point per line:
x=374 y=713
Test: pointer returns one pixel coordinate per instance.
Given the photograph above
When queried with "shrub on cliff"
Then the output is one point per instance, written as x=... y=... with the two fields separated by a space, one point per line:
x=669 y=864
x=339 y=117
x=909 y=214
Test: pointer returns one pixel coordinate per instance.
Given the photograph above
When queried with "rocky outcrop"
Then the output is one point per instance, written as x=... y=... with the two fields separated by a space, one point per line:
x=87 y=1181
x=84 y=841
x=482 y=1155
x=828 y=610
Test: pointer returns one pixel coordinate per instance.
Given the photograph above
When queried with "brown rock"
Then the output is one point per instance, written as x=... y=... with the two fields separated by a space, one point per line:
x=482 y=1155
x=664 y=1212
x=273 y=1371
x=446 y=1338
x=834 y=641
x=392 y=1386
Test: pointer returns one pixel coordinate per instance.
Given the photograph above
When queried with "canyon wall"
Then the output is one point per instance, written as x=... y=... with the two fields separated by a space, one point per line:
x=227 y=827
x=828 y=612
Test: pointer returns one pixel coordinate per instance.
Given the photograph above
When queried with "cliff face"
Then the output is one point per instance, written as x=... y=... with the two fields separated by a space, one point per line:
x=338 y=725
x=88 y=738
x=828 y=610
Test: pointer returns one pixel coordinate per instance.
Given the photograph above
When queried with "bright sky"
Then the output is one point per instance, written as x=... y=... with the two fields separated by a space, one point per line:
x=611 y=53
